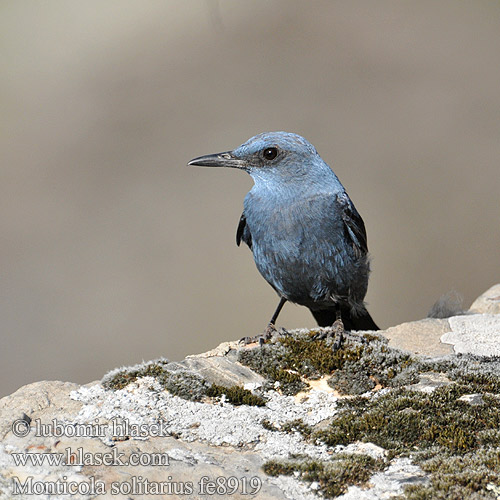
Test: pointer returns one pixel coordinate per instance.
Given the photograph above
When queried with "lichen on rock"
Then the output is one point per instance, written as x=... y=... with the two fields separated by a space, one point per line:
x=389 y=414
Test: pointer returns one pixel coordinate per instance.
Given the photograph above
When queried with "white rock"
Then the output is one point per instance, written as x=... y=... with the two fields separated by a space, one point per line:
x=477 y=334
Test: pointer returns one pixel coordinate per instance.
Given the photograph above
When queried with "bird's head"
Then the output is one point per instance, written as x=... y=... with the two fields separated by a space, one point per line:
x=270 y=156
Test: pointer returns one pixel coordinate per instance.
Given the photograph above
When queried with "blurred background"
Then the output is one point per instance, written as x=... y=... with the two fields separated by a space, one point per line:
x=114 y=251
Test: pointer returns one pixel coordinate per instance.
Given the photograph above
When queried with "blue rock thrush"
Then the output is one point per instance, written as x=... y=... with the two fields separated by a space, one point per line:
x=307 y=238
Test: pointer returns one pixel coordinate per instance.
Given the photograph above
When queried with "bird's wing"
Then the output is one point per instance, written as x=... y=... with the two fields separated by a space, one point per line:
x=353 y=224
x=243 y=233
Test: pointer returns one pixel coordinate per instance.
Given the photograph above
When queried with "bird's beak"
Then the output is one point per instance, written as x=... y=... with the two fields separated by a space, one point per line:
x=226 y=159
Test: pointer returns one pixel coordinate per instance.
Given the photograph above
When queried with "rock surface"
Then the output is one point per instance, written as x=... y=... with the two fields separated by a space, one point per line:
x=276 y=437
x=488 y=302
x=475 y=334
x=420 y=337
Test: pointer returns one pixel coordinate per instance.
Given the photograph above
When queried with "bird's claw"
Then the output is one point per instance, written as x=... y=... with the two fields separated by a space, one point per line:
x=269 y=333
x=335 y=332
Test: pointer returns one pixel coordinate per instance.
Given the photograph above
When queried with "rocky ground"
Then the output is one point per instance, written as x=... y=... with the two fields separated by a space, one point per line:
x=410 y=412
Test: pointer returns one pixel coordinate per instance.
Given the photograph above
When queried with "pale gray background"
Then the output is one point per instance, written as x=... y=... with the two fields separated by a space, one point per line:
x=113 y=251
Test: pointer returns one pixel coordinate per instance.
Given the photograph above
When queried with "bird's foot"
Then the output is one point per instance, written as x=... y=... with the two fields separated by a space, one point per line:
x=339 y=334
x=335 y=332
x=269 y=333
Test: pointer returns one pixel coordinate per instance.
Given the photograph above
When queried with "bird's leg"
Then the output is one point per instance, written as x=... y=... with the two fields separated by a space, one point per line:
x=336 y=331
x=270 y=329
x=338 y=328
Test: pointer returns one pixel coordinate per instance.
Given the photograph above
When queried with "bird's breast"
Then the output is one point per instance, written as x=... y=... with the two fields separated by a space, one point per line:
x=292 y=222
x=297 y=246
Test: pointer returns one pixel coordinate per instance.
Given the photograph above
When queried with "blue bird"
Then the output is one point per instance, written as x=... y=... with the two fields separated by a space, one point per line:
x=307 y=238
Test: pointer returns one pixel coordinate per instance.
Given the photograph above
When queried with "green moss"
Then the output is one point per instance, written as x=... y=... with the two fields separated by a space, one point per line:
x=235 y=395
x=351 y=381
x=118 y=379
x=403 y=419
x=186 y=385
x=370 y=337
x=180 y=383
x=269 y=361
x=297 y=425
x=268 y=425
x=315 y=358
x=451 y=439
x=294 y=358
x=356 y=367
x=288 y=382
x=471 y=475
x=478 y=381
x=278 y=468
x=333 y=477
x=378 y=365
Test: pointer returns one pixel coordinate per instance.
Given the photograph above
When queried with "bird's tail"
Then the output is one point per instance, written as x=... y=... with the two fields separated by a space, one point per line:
x=363 y=321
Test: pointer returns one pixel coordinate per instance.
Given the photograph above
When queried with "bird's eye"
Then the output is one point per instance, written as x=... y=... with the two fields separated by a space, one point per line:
x=270 y=153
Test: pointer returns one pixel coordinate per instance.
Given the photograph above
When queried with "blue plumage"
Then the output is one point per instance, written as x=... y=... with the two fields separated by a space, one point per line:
x=307 y=239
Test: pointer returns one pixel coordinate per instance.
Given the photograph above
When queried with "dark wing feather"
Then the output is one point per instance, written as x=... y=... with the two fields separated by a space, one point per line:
x=353 y=223
x=243 y=233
